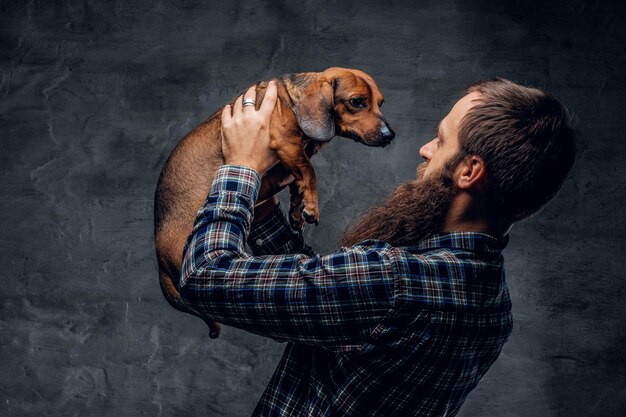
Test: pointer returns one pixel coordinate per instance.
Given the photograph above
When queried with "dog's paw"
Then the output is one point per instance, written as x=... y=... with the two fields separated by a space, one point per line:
x=214 y=329
x=295 y=220
x=310 y=217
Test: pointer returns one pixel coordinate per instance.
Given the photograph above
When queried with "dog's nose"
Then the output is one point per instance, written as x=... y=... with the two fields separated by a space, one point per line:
x=386 y=133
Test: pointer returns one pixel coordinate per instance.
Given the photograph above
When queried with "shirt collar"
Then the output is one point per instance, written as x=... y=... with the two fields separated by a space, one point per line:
x=471 y=241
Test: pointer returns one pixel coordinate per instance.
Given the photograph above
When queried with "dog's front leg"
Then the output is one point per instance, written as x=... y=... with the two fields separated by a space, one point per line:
x=304 y=188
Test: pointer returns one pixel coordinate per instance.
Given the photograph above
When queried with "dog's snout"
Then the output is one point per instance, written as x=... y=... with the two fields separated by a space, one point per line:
x=385 y=132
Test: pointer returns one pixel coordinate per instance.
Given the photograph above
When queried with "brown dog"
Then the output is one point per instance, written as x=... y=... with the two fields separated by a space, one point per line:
x=311 y=109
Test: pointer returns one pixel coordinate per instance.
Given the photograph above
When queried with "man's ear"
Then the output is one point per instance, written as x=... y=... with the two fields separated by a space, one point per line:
x=314 y=111
x=472 y=173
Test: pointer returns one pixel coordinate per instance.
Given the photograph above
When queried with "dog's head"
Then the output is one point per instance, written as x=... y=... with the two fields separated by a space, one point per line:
x=339 y=101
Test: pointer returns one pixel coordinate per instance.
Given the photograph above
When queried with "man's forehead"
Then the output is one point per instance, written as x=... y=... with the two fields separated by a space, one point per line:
x=460 y=109
x=441 y=127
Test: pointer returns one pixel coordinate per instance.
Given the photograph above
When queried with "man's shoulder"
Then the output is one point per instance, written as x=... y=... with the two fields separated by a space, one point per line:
x=442 y=247
x=453 y=270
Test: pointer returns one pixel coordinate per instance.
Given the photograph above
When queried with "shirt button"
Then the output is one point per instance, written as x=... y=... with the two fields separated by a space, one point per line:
x=259 y=241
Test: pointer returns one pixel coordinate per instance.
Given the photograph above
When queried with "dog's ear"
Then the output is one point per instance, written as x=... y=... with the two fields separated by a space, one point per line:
x=314 y=110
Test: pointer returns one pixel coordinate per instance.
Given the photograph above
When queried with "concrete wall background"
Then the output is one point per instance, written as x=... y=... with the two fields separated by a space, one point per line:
x=94 y=95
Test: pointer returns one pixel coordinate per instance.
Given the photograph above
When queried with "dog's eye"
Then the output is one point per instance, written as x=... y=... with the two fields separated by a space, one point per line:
x=357 y=102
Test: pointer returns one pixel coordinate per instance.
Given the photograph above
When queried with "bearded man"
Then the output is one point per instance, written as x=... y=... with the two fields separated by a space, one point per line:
x=408 y=315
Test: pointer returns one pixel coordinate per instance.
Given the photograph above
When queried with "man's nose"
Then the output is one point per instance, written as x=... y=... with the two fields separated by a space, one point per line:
x=428 y=150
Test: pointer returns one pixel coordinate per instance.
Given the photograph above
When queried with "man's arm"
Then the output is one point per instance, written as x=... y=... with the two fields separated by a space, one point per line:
x=334 y=301
x=246 y=142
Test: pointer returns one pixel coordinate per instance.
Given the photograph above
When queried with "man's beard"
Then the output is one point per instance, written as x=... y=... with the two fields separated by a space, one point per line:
x=414 y=211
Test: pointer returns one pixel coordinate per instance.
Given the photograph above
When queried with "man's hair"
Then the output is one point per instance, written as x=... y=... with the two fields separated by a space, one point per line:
x=526 y=141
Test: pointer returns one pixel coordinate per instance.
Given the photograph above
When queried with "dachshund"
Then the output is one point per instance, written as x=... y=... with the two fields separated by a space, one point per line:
x=311 y=109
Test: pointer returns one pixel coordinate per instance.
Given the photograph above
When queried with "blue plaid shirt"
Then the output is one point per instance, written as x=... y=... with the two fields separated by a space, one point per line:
x=372 y=330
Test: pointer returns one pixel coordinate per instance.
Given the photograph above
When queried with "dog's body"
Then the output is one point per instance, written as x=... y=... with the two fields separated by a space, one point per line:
x=311 y=108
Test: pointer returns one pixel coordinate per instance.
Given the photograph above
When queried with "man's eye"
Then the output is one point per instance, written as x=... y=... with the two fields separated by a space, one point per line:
x=357 y=102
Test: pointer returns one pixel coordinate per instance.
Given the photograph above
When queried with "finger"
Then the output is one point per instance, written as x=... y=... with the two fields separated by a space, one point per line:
x=269 y=101
x=237 y=106
x=226 y=114
x=250 y=94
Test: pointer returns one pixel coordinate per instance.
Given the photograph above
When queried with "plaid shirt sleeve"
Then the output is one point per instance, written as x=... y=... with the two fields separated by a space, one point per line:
x=333 y=301
x=274 y=236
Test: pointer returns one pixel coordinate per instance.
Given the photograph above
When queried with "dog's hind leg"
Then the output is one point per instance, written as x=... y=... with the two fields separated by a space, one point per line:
x=295 y=208
x=170 y=291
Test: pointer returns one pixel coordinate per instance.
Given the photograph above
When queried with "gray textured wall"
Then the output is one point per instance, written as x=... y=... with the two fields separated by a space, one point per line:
x=94 y=95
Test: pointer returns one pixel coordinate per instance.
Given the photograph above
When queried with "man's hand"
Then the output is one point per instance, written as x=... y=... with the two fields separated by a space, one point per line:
x=246 y=132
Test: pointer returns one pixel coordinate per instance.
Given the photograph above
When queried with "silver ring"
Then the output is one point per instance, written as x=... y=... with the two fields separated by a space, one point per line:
x=248 y=102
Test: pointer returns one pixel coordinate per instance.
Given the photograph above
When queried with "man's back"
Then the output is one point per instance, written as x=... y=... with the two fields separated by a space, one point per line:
x=450 y=318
